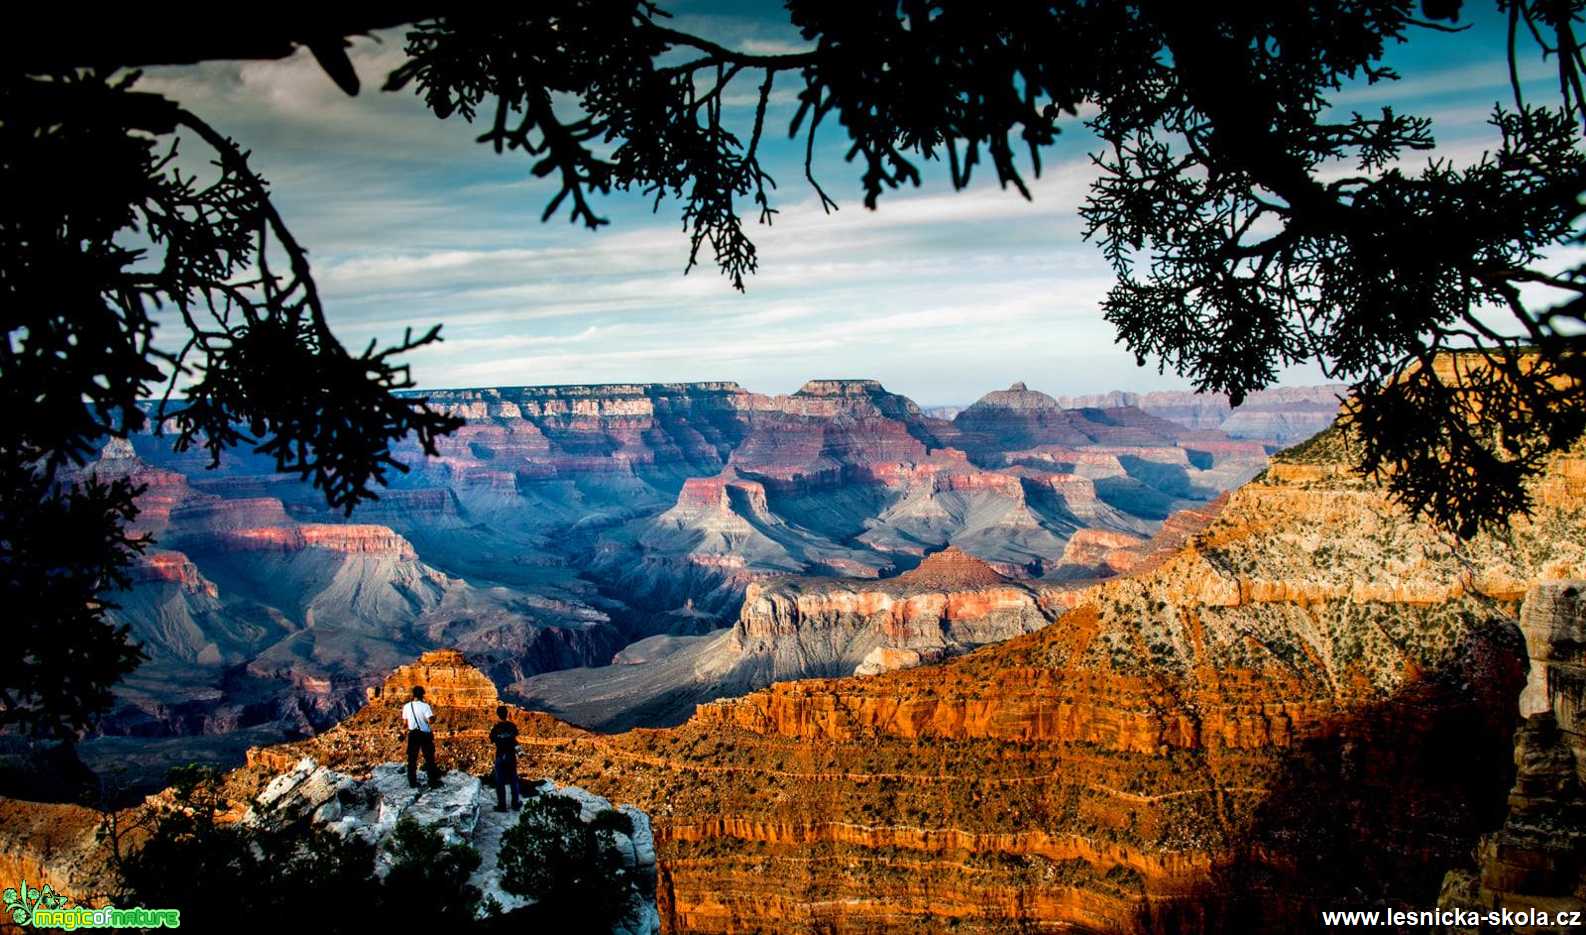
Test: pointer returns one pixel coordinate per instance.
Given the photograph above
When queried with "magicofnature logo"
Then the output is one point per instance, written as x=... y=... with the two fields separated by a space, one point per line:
x=44 y=908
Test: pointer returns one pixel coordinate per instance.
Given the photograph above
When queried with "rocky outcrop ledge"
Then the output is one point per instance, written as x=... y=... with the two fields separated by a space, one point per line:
x=461 y=809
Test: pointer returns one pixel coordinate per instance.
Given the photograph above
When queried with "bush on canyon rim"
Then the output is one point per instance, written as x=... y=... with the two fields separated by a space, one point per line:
x=570 y=867
x=1237 y=249
x=219 y=873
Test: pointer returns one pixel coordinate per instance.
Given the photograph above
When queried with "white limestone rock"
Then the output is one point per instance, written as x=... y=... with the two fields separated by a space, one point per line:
x=303 y=790
x=461 y=808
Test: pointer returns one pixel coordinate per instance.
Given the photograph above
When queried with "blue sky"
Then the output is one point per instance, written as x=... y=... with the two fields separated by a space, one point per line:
x=941 y=295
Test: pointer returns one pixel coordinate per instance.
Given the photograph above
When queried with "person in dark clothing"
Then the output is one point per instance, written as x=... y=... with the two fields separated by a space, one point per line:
x=417 y=716
x=505 y=736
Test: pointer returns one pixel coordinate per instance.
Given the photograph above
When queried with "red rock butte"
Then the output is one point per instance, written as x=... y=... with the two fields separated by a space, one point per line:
x=448 y=680
x=465 y=702
x=951 y=568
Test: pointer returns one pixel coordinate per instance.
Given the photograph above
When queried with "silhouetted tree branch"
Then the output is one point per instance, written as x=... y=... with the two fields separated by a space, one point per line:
x=1250 y=224
x=88 y=167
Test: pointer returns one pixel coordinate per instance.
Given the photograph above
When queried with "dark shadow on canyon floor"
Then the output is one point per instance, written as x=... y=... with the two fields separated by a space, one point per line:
x=1372 y=812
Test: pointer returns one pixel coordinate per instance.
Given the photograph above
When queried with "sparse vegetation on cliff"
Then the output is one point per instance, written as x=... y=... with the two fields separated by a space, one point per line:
x=569 y=866
x=317 y=837
x=222 y=873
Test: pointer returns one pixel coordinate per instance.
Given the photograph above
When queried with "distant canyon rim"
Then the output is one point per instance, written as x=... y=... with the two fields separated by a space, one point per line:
x=616 y=554
x=1292 y=697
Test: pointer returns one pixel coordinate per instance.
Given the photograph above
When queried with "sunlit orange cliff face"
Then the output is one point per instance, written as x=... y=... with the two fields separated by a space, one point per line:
x=1312 y=699
x=1310 y=704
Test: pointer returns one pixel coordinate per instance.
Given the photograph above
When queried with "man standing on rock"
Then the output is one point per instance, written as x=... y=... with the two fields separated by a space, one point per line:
x=505 y=736
x=418 y=715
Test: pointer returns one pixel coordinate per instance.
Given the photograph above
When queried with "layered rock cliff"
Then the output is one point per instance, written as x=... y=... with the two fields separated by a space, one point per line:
x=254 y=620
x=676 y=497
x=74 y=849
x=1259 y=724
x=1284 y=415
x=562 y=524
x=1537 y=858
x=1311 y=703
x=798 y=627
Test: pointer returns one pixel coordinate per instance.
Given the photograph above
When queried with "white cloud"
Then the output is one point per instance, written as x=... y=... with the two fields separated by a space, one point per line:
x=774 y=47
x=1489 y=75
x=941 y=294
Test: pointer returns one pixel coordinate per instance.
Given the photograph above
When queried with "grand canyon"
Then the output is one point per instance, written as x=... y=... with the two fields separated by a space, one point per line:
x=1210 y=711
x=617 y=554
x=1109 y=468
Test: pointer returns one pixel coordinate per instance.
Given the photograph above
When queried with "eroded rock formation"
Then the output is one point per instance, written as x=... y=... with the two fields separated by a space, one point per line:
x=1283 y=414
x=797 y=627
x=1537 y=858
x=1311 y=702
x=561 y=524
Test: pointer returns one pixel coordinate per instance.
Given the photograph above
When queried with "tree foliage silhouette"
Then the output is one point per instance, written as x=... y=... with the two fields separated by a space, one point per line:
x=572 y=869
x=214 y=870
x=82 y=168
x=1250 y=223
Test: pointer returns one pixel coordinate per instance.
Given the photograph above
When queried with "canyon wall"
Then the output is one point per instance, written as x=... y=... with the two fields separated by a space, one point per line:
x=1310 y=703
x=1537 y=858
x=561 y=524
x=1282 y=415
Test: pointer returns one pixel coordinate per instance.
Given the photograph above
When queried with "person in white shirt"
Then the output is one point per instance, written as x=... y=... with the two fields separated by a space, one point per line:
x=417 y=716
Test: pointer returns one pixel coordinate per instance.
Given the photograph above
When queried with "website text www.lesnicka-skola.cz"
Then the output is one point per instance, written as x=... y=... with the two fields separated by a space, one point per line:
x=1401 y=918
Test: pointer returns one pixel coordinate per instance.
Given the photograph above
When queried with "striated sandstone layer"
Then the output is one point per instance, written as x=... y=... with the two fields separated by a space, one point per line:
x=1309 y=704
x=798 y=627
x=1284 y=414
x=950 y=602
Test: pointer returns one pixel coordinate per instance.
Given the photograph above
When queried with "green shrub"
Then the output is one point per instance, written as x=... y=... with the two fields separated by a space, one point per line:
x=429 y=878
x=221 y=875
x=572 y=869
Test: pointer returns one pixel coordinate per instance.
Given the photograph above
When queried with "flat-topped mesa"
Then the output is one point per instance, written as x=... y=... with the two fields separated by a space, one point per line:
x=1280 y=414
x=951 y=569
x=639 y=399
x=221 y=515
x=723 y=493
x=796 y=627
x=577 y=390
x=826 y=399
x=955 y=480
x=1103 y=549
x=1116 y=399
x=172 y=567
x=557 y=406
x=842 y=388
x=364 y=539
x=1012 y=425
x=356 y=539
x=524 y=435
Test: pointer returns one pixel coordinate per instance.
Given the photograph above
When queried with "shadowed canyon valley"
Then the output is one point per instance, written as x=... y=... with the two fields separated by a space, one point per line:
x=616 y=554
x=1198 y=711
